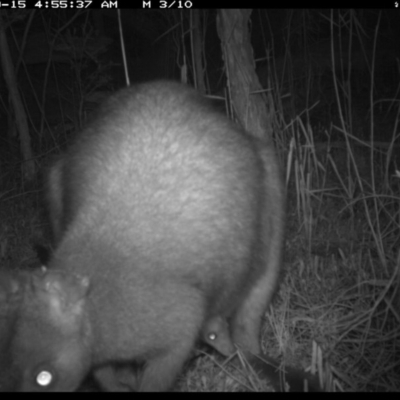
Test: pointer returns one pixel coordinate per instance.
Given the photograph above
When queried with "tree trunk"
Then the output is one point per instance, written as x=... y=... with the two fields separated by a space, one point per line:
x=252 y=108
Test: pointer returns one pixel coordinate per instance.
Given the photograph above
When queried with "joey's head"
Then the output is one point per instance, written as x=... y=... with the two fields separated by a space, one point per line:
x=48 y=337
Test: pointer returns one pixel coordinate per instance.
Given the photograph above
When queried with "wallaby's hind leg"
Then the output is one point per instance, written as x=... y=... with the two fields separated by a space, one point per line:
x=117 y=379
x=160 y=373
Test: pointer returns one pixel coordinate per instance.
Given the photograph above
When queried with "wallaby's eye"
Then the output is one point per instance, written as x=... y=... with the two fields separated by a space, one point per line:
x=44 y=378
x=212 y=336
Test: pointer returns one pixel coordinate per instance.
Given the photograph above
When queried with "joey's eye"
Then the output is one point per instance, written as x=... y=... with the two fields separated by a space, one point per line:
x=212 y=336
x=44 y=378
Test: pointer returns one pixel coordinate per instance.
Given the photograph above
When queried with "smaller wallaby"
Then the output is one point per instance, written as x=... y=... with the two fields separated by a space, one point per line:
x=216 y=334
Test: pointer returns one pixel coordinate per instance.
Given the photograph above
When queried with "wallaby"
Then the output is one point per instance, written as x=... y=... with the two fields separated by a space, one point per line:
x=165 y=215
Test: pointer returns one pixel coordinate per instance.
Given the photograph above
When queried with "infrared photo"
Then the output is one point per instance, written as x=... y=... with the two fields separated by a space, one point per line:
x=199 y=200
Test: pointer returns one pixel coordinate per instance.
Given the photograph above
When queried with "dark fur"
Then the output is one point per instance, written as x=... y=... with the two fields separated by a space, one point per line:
x=165 y=215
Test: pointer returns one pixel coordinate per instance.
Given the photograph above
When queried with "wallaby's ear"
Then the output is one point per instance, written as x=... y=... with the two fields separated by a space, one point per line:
x=63 y=295
x=11 y=288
